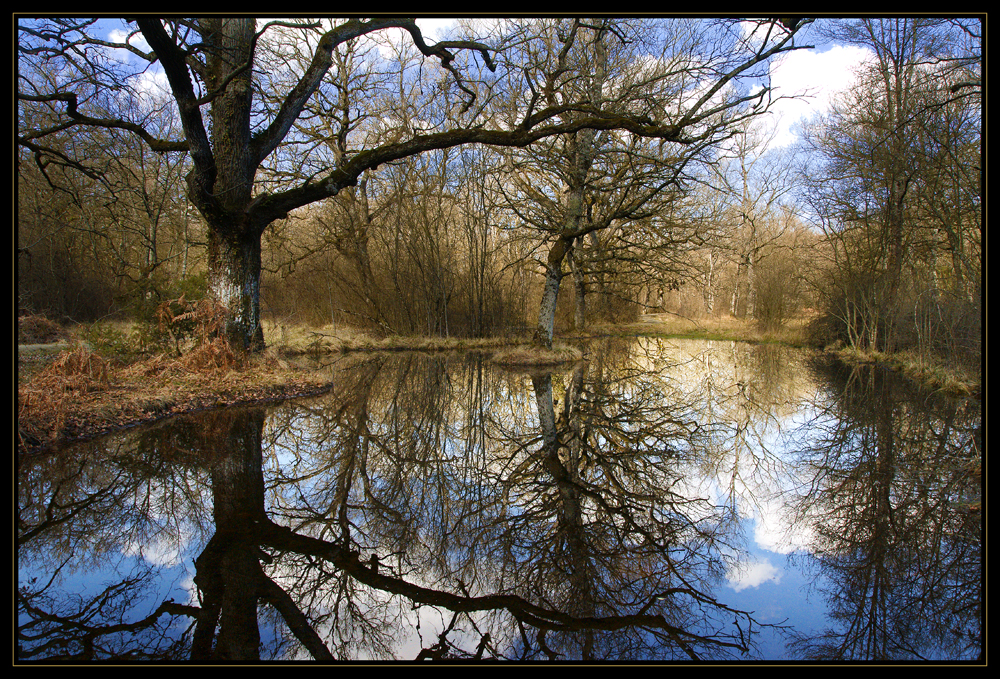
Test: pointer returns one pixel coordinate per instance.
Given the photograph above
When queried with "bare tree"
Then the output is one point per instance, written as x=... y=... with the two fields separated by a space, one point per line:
x=90 y=245
x=586 y=190
x=755 y=182
x=897 y=187
x=214 y=69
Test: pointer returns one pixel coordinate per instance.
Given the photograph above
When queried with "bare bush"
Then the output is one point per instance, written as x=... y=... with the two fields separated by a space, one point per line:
x=35 y=329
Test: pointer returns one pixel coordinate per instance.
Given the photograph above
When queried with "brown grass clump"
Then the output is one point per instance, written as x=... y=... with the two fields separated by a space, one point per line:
x=77 y=369
x=529 y=355
x=215 y=355
x=44 y=402
x=184 y=321
x=210 y=357
x=80 y=395
x=35 y=329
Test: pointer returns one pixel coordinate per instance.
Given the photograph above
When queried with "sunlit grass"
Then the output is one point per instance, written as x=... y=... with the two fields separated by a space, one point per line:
x=932 y=374
x=293 y=340
x=104 y=377
x=528 y=355
x=711 y=328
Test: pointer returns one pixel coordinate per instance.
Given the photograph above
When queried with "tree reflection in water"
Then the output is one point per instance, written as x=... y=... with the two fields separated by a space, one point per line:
x=894 y=494
x=426 y=508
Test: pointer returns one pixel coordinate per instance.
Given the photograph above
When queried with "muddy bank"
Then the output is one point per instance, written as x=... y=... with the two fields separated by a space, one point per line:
x=76 y=395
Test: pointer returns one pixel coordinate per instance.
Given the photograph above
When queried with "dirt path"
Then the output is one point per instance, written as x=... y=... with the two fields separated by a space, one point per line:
x=53 y=347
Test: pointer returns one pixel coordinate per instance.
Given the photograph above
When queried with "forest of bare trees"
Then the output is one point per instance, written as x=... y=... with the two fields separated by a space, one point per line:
x=519 y=177
x=570 y=477
x=898 y=188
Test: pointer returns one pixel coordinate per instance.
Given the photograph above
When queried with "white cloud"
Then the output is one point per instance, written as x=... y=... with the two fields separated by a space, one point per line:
x=136 y=40
x=815 y=78
x=753 y=574
x=434 y=29
x=157 y=552
x=778 y=533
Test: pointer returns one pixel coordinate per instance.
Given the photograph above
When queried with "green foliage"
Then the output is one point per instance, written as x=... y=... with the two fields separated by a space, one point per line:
x=191 y=287
x=146 y=300
x=114 y=341
x=157 y=329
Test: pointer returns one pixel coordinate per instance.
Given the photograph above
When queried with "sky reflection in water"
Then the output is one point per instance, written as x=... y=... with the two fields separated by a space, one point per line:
x=660 y=502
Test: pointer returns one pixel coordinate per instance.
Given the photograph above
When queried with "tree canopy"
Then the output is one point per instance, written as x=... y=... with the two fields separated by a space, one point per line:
x=241 y=114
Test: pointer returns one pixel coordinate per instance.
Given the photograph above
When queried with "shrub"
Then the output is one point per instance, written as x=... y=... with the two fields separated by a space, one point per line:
x=35 y=329
x=115 y=341
x=82 y=369
x=179 y=321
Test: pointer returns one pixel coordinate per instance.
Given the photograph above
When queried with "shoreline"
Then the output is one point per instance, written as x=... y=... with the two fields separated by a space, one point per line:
x=59 y=408
x=933 y=377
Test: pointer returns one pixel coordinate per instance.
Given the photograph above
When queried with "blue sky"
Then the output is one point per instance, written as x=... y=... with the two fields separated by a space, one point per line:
x=813 y=76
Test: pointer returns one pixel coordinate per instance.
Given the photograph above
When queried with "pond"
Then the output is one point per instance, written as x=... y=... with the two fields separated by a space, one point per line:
x=665 y=500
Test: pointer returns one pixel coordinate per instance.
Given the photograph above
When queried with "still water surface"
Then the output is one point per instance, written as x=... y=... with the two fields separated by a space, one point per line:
x=666 y=500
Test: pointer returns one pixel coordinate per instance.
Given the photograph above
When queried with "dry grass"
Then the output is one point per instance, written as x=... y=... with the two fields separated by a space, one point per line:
x=80 y=394
x=210 y=357
x=528 y=355
x=935 y=376
x=332 y=339
x=78 y=369
x=34 y=329
x=291 y=341
x=46 y=400
x=713 y=328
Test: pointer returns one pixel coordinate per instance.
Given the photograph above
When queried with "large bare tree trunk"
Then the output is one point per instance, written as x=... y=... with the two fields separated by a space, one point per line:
x=234 y=267
x=580 y=299
x=582 y=155
x=547 y=309
x=233 y=242
x=550 y=292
